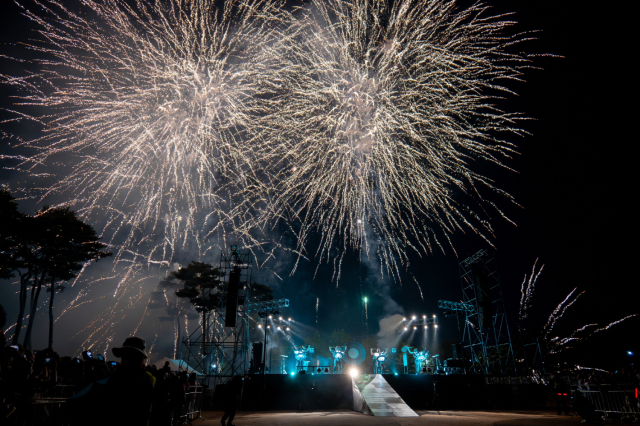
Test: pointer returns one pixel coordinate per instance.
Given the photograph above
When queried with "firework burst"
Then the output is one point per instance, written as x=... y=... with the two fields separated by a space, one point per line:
x=150 y=107
x=178 y=122
x=383 y=108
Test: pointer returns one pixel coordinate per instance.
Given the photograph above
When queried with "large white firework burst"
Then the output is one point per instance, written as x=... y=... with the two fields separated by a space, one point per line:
x=361 y=120
x=384 y=109
x=149 y=106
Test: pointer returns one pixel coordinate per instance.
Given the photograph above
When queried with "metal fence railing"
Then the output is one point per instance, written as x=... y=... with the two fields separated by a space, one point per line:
x=608 y=402
x=191 y=409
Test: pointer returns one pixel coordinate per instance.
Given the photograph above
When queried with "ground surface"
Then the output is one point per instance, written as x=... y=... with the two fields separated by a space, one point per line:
x=352 y=418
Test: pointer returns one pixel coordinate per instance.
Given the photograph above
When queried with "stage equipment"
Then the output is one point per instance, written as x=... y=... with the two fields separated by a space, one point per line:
x=423 y=321
x=283 y=364
x=338 y=353
x=300 y=352
x=266 y=311
x=223 y=332
x=355 y=353
x=256 y=358
x=379 y=357
x=221 y=338
x=486 y=339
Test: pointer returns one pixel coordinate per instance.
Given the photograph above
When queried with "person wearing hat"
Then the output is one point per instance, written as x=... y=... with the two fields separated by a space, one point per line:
x=129 y=390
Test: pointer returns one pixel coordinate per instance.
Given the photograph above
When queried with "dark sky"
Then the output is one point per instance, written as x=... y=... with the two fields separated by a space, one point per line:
x=574 y=183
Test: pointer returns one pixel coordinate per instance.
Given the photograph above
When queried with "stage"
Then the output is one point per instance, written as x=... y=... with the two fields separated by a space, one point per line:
x=310 y=392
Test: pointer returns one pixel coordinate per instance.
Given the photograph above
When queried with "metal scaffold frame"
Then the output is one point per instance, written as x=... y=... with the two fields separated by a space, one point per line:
x=218 y=351
x=486 y=340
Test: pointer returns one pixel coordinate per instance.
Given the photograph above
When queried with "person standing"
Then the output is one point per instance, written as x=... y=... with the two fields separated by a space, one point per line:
x=129 y=390
x=232 y=397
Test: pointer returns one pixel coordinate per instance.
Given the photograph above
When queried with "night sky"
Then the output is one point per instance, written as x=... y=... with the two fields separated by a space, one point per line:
x=573 y=181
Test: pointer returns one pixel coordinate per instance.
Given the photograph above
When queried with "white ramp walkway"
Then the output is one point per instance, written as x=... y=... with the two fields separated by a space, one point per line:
x=383 y=401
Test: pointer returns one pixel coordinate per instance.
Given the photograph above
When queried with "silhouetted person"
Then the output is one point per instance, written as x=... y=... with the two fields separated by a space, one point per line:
x=584 y=408
x=561 y=392
x=129 y=390
x=232 y=397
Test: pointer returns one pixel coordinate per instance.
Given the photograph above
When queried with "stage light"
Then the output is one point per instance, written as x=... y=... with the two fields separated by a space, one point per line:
x=288 y=329
x=434 y=315
x=259 y=325
x=405 y=329
x=413 y=318
x=415 y=328
x=425 y=326
x=270 y=317
x=353 y=372
x=404 y=319
x=365 y=300
x=293 y=374
x=280 y=318
x=278 y=327
x=629 y=353
x=290 y=319
x=435 y=325
x=424 y=316
x=268 y=326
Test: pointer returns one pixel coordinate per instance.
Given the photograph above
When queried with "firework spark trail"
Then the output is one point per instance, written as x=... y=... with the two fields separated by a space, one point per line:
x=418 y=284
x=381 y=111
x=560 y=344
x=151 y=108
x=527 y=291
x=559 y=311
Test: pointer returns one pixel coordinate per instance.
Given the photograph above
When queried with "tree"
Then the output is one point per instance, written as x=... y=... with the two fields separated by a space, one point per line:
x=44 y=250
x=10 y=222
x=200 y=282
x=176 y=307
x=261 y=292
x=61 y=247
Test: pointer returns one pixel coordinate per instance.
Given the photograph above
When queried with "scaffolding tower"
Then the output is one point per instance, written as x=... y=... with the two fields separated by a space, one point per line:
x=219 y=347
x=486 y=341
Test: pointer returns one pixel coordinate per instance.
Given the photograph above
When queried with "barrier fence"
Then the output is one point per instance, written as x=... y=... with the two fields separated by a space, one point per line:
x=191 y=409
x=621 y=402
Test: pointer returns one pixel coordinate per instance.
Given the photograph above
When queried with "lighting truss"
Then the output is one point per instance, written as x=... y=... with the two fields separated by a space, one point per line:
x=456 y=306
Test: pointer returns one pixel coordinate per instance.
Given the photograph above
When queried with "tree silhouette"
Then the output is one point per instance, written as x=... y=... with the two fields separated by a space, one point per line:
x=62 y=246
x=44 y=250
x=200 y=282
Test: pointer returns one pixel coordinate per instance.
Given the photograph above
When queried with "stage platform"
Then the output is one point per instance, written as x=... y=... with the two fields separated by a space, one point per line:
x=419 y=392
